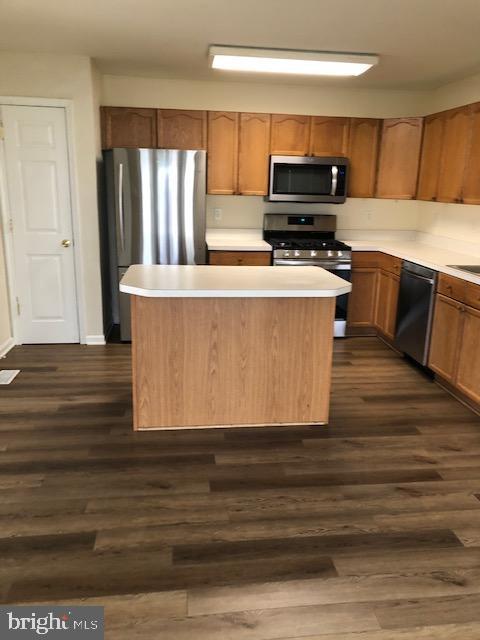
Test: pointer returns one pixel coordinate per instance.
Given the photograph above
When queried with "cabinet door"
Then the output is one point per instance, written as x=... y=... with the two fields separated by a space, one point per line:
x=181 y=129
x=254 y=146
x=446 y=328
x=454 y=151
x=387 y=302
x=471 y=182
x=290 y=135
x=361 y=301
x=240 y=258
x=431 y=155
x=222 y=157
x=329 y=136
x=399 y=157
x=468 y=371
x=363 y=154
x=128 y=127
x=392 y=305
x=381 y=315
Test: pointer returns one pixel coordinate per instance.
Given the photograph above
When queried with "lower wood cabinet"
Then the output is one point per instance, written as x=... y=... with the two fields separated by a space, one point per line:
x=386 y=304
x=240 y=258
x=374 y=298
x=468 y=371
x=362 y=299
x=446 y=328
x=455 y=345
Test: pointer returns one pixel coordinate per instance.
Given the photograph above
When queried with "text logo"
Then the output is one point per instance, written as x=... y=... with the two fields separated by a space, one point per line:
x=58 y=623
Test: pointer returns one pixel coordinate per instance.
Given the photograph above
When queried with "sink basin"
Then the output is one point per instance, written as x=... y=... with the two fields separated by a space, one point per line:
x=471 y=268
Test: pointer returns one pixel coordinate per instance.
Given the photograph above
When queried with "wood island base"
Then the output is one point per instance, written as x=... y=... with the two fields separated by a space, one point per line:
x=224 y=361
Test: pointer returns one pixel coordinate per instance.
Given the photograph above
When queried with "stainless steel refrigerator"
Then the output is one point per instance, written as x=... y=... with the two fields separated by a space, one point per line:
x=155 y=202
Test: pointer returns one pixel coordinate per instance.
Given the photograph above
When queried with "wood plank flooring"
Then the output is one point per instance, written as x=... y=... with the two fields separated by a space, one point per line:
x=368 y=529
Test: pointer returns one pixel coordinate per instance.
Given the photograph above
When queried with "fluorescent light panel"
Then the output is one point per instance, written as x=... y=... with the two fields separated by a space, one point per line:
x=309 y=63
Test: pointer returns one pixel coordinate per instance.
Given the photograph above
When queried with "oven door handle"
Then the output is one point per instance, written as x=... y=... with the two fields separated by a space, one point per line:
x=329 y=266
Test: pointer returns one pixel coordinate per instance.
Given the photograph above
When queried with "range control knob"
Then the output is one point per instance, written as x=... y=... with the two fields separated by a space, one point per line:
x=339 y=254
x=330 y=254
x=313 y=253
x=286 y=254
x=296 y=254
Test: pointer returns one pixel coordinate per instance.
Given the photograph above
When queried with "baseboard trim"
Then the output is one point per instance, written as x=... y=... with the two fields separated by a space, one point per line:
x=457 y=394
x=95 y=340
x=6 y=346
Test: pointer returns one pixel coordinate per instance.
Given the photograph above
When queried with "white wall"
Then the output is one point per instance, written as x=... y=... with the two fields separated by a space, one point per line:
x=124 y=91
x=68 y=77
x=455 y=94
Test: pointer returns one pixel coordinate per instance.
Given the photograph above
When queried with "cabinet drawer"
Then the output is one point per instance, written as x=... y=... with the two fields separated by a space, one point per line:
x=366 y=259
x=451 y=287
x=472 y=295
x=390 y=263
x=240 y=258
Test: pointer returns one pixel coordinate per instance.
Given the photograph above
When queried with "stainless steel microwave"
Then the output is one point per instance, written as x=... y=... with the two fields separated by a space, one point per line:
x=308 y=179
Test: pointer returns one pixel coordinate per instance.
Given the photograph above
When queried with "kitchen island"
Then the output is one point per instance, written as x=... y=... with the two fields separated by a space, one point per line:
x=231 y=346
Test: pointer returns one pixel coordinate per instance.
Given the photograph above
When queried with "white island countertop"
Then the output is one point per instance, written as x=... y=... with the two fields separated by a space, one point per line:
x=206 y=281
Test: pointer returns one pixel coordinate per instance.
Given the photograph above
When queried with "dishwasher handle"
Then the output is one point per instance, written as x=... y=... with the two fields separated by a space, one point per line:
x=417 y=276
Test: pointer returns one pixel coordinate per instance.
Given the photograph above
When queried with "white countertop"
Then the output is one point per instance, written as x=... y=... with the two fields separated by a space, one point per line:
x=432 y=257
x=236 y=240
x=206 y=281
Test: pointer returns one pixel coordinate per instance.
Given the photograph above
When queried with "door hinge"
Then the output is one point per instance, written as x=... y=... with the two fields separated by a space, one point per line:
x=2 y=131
x=10 y=224
x=18 y=306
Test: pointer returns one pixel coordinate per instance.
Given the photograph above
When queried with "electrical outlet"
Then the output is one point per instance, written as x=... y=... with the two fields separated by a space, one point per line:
x=217 y=214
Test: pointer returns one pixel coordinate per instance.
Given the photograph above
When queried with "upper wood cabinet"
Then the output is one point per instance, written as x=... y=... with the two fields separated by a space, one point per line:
x=329 y=136
x=363 y=153
x=128 y=127
x=471 y=183
x=181 y=129
x=433 y=132
x=399 y=156
x=290 y=135
x=222 y=157
x=454 y=151
x=253 y=146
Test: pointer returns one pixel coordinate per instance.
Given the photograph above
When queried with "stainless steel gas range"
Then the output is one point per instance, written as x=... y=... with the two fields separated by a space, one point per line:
x=309 y=240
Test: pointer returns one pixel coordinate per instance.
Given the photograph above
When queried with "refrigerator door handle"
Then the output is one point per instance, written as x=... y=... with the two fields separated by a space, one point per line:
x=121 y=219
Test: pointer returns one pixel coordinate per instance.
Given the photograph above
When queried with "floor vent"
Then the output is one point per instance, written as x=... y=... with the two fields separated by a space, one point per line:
x=7 y=375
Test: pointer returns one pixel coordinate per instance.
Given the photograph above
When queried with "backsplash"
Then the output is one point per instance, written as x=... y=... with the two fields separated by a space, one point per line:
x=246 y=212
x=460 y=222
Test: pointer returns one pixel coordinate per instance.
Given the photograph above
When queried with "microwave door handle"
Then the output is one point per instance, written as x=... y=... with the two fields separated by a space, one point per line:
x=333 y=190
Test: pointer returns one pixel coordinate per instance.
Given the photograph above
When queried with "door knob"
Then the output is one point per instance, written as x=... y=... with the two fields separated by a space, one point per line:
x=66 y=243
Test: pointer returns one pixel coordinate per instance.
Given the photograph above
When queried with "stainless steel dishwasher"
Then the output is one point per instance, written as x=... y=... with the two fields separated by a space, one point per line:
x=415 y=311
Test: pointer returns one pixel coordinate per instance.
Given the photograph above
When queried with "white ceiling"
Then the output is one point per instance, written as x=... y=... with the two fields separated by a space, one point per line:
x=422 y=43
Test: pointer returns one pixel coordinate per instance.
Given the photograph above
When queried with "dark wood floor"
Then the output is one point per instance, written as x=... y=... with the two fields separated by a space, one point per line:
x=366 y=530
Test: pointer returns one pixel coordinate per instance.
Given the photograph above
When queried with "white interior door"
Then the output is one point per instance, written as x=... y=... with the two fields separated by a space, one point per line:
x=38 y=184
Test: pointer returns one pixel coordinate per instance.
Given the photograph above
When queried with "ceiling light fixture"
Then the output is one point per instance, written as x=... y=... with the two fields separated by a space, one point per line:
x=310 y=63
